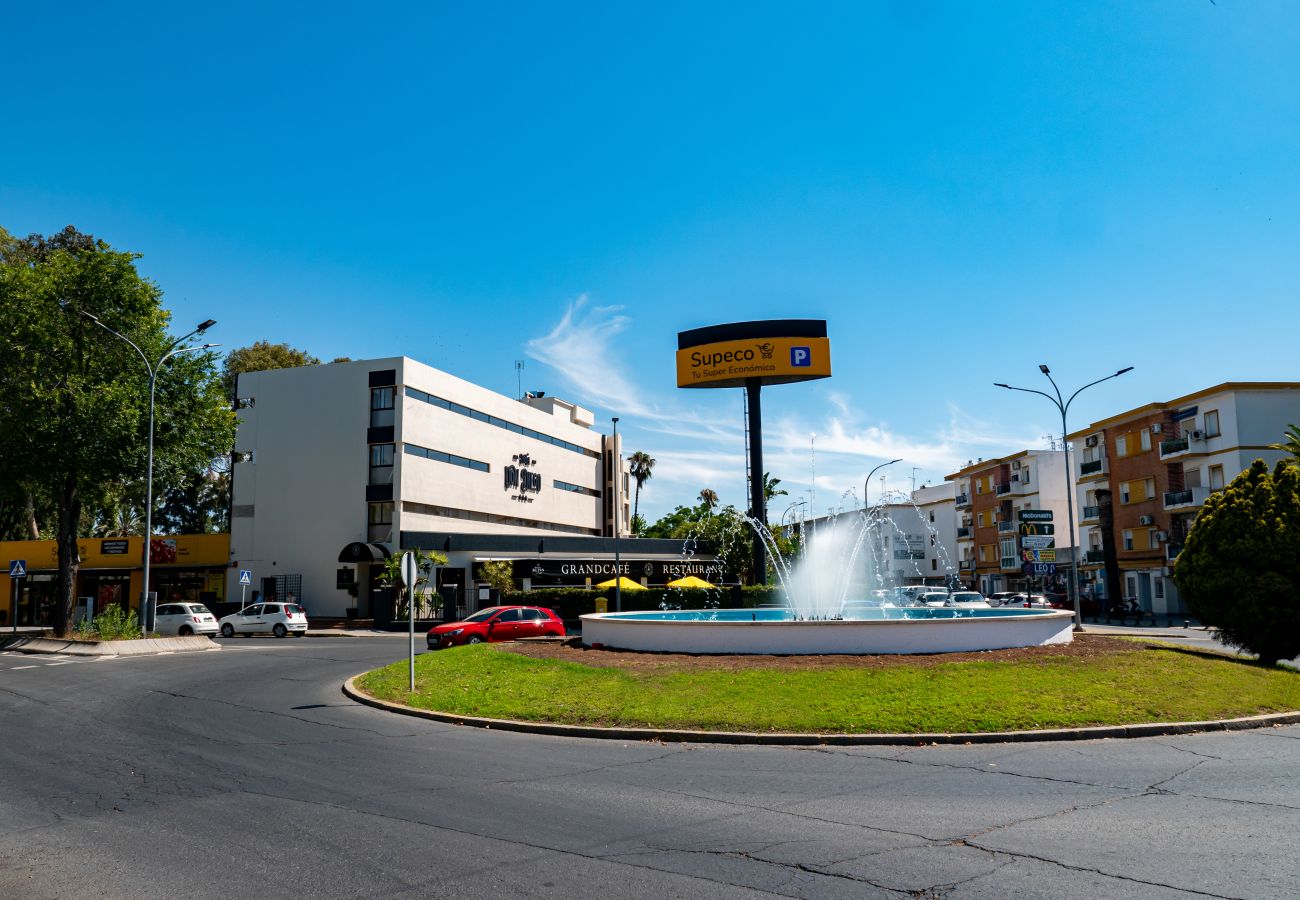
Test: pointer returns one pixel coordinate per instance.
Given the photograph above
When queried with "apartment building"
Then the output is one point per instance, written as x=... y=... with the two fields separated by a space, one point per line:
x=918 y=542
x=989 y=496
x=1143 y=475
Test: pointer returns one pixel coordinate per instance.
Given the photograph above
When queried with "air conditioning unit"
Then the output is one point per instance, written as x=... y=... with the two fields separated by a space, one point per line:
x=1146 y=520
x=1197 y=435
x=1162 y=536
x=1090 y=441
x=1157 y=428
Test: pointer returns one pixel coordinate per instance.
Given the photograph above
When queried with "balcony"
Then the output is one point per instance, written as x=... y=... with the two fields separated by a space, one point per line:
x=1174 y=447
x=1001 y=489
x=1172 y=551
x=965 y=533
x=1090 y=513
x=1094 y=557
x=1094 y=467
x=1188 y=497
x=963 y=501
x=1006 y=527
x=967 y=565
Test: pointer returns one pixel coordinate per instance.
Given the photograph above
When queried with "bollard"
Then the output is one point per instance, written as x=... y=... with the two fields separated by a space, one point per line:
x=602 y=604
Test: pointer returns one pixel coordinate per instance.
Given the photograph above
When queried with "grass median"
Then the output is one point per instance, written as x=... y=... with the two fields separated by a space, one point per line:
x=1130 y=683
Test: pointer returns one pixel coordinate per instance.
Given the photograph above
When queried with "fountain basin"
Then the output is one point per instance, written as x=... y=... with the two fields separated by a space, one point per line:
x=870 y=631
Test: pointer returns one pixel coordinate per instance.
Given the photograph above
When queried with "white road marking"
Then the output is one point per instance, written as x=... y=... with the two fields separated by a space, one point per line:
x=47 y=665
x=16 y=668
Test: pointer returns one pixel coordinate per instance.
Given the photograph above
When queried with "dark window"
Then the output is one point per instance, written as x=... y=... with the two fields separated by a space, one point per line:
x=440 y=456
x=510 y=615
x=575 y=488
x=463 y=410
x=381 y=406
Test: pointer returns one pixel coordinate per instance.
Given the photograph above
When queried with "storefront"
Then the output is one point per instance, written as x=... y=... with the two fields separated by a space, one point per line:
x=111 y=572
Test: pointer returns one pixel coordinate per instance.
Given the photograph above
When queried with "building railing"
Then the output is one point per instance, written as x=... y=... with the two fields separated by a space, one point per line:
x=1187 y=497
x=967 y=565
x=964 y=531
x=1090 y=512
x=1174 y=446
x=1006 y=527
x=963 y=499
x=1172 y=551
x=1000 y=489
x=1092 y=467
x=1094 y=556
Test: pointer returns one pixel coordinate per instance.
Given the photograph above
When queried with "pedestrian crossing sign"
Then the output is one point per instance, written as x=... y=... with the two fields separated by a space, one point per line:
x=17 y=568
x=245 y=576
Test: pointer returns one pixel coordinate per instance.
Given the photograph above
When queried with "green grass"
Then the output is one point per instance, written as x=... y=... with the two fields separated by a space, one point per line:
x=1145 y=685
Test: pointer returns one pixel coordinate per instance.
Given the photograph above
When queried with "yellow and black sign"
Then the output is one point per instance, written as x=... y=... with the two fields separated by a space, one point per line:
x=1037 y=528
x=774 y=352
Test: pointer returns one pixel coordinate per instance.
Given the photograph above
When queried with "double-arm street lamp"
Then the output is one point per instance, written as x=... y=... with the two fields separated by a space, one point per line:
x=1064 y=406
x=153 y=369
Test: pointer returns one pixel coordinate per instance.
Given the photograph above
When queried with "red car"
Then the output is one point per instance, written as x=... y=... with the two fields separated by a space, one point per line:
x=497 y=623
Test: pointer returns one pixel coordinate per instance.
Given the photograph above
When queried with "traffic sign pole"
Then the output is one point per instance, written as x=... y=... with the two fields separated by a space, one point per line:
x=409 y=575
x=17 y=572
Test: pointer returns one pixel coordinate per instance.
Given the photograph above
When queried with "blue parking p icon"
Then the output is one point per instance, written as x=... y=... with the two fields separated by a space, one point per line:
x=800 y=357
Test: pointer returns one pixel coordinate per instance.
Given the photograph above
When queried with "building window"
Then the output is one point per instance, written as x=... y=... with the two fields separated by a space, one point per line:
x=381 y=463
x=1128 y=539
x=461 y=410
x=931 y=515
x=979 y=519
x=425 y=509
x=979 y=485
x=1008 y=553
x=443 y=457
x=381 y=407
x=1124 y=492
x=1145 y=435
x=379 y=521
x=983 y=553
x=575 y=488
x=1024 y=476
x=934 y=565
x=1121 y=445
x=933 y=539
x=1152 y=543
x=1159 y=585
x=1212 y=423
x=1216 y=478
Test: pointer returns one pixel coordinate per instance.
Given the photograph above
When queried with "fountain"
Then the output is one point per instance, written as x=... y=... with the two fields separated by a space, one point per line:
x=833 y=605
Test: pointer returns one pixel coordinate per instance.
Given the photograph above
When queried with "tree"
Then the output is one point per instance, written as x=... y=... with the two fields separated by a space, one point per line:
x=640 y=465
x=709 y=498
x=74 y=398
x=1239 y=569
x=1291 y=445
x=499 y=574
x=262 y=356
x=391 y=574
x=771 y=491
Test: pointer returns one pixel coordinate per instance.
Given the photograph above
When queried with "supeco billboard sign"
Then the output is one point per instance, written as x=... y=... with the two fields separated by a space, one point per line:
x=777 y=351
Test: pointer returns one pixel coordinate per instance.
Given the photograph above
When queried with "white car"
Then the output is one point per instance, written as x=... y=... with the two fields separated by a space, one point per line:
x=279 y=619
x=933 y=599
x=967 y=600
x=184 y=619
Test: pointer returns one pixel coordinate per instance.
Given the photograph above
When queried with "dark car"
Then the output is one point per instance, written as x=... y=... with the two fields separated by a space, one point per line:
x=497 y=623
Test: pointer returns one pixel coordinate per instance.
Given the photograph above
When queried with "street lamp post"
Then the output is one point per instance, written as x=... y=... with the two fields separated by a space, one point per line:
x=618 y=562
x=1064 y=406
x=153 y=369
x=866 y=485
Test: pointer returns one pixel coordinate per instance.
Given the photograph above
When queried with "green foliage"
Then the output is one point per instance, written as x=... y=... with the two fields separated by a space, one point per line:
x=725 y=531
x=499 y=574
x=1240 y=567
x=74 y=398
x=640 y=466
x=114 y=624
x=262 y=356
x=1291 y=445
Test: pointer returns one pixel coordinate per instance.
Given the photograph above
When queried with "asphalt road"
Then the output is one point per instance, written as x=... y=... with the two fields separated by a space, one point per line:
x=246 y=773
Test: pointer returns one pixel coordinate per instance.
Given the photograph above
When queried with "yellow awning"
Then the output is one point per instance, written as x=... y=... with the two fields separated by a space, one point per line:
x=690 y=581
x=624 y=584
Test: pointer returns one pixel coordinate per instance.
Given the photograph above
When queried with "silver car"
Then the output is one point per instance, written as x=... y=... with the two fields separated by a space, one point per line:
x=184 y=619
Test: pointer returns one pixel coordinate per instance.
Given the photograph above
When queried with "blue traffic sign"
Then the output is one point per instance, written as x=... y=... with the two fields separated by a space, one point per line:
x=17 y=568
x=245 y=576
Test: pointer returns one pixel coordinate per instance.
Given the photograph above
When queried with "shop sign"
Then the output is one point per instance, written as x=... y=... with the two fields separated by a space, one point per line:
x=1037 y=528
x=1035 y=515
x=656 y=571
x=1030 y=542
x=774 y=352
x=1039 y=568
x=113 y=547
x=1038 y=556
x=520 y=478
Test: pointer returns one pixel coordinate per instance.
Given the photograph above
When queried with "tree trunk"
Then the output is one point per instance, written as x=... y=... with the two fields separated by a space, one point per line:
x=69 y=557
x=636 y=503
x=33 y=528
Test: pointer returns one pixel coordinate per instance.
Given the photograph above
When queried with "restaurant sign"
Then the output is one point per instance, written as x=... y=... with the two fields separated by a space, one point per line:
x=654 y=571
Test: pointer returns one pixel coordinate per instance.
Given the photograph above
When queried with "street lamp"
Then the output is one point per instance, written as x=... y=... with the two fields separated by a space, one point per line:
x=1064 y=407
x=866 y=485
x=618 y=563
x=153 y=369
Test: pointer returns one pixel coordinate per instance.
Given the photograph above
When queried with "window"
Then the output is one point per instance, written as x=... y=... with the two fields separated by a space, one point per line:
x=1191 y=477
x=1149 y=488
x=1128 y=539
x=379 y=521
x=440 y=456
x=1008 y=546
x=1212 y=423
x=1125 y=492
x=1216 y=478
x=575 y=488
x=381 y=406
x=509 y=615
x=1159 y=588
x=498 y=422
x=983 y=553
x=1024 y=476
x=933 y=539
x=1152 y=543
x=979 y=485
x=931 y=515
x=1121 y=445
x=979 y=519
x=381 y=463
x=1145 y=435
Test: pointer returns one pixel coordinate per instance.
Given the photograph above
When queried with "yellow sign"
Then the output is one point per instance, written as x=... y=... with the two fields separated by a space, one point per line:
x=775 y=360
x=197 y=550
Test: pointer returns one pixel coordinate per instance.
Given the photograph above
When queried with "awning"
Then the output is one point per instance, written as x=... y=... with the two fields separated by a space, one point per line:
x=357 y=552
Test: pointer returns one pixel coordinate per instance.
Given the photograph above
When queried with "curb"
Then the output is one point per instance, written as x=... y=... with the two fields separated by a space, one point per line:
x=1147 y=729
x=140 y=647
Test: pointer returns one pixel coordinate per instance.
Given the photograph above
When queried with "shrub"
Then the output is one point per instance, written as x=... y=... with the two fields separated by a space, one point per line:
x=1240 y=567
x=115 y=624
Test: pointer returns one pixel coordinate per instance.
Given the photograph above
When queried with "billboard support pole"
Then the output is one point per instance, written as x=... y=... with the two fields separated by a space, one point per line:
x=757 y=508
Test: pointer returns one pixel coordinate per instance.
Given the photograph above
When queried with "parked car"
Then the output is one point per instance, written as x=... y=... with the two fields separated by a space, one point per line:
x=933 y=599
x=1004 y=598
x=967 y=600
x=497 y=623
x=184 y=619
x=279 y=619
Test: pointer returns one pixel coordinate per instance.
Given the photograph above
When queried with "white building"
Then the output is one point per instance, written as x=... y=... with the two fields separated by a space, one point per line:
x=919 y=541
x=339 y=466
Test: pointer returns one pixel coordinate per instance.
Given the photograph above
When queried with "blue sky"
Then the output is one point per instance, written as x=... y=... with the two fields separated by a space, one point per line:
x=962 y=190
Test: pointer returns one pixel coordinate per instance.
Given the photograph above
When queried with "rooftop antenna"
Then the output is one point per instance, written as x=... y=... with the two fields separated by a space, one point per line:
x=1051 y=440
x=519 y=378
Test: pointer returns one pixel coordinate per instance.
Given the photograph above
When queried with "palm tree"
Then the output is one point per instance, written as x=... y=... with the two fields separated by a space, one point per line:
x=709 y=497
x=639 y=465
x=770 y=489
x=1291 y=444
